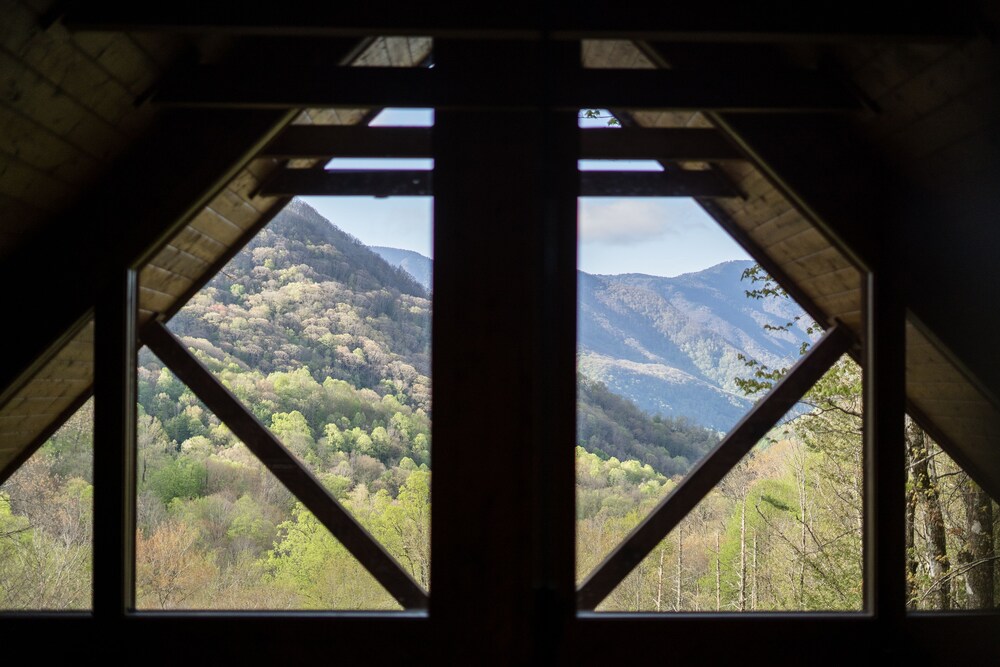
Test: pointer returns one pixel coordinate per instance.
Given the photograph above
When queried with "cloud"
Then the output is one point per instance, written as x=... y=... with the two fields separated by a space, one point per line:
x=632 y=221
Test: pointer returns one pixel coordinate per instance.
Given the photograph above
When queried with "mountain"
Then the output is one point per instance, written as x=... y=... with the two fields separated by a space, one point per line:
x=673 y=345
x=415 y=264
x=307 y=318
x=304 y=293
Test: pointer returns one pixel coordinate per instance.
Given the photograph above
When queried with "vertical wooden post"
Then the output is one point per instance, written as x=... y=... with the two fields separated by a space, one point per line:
x=504 y=218
x=884 y=450
x=554 y=365
x=114 y=447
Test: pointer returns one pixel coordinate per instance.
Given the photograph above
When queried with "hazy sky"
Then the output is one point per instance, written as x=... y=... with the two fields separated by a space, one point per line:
x=658 y=236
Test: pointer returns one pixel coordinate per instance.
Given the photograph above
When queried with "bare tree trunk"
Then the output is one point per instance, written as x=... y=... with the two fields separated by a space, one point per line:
x=638 y=589
x=926 y=488
x=743 y=554
x=680 y=567
x=803 y=534
x=979 y=546
x=911 y=548
x=753 y=580
x=659 y=580
x=718 y=573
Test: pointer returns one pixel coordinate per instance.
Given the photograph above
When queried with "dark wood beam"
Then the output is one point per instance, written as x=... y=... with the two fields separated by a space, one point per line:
x=285 y=467
x=845 y=22
x=706 y=183
x=884 y=392
x=328 y=141
x=508 y=538
x=633 y=143
x=315 y=182
x=302 y=182
x=115 y=386
x=665 y=144
x=713 y=468
x=284 y=85
x=769 y=91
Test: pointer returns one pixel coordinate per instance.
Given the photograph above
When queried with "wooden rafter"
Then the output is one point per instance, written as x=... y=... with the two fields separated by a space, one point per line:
x=633 y=143
x=713 y=468
x=280 y=85
x=285 y=467
x=707 y=183
x=292 y=182
x=295 y=182
x=327 y=141
x=692 y=22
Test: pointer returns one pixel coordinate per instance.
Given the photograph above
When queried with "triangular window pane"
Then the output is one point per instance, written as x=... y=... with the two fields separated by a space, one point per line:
x=952 y=527
x=679 y=333
x=46 y=523
x=326 y=342
x=781 y=532
x=217 y=530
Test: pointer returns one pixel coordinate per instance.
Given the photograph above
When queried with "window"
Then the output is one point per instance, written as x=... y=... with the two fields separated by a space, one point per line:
x=506 y=147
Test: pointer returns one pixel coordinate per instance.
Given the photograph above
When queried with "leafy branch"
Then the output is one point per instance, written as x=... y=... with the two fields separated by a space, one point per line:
x=763 y=377
x=596 y=113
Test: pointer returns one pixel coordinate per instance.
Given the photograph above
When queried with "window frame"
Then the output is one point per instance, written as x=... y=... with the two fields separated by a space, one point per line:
x=517 y=594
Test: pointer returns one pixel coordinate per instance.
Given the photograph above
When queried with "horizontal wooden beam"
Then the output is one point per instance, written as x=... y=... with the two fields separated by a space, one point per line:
x=313 y=182
x=713 y=468
x=632 y=143
x=679 y=183
x=665 y=144
x=769 y=91
x=285 y=84
x=691 y=22
x=285 y=467
x=361 y=141
x=320 y=183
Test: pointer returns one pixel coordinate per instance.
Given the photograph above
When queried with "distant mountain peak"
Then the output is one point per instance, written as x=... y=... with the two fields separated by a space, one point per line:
x=411 y=261
x=674 y=345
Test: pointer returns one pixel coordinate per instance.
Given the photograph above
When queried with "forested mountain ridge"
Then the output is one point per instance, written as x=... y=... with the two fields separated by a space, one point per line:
x=304 y=293
x=417 y=265
x=673 y=345
x=305 y=304
x=609 y=425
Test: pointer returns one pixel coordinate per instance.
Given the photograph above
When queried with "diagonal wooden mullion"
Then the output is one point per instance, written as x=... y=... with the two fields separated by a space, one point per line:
x=710 y=471
x=295 y=476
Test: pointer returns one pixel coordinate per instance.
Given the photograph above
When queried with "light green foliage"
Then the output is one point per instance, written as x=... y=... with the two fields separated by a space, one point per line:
x=183 y=477
x=293 y=431
x=46 y=517
x=307 y=560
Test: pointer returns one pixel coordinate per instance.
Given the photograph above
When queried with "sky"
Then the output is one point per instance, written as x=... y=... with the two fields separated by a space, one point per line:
x=663 y=236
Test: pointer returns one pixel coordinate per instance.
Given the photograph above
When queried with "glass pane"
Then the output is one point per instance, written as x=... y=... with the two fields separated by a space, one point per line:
x=952 y=525
x=781 y=532
x=217 y=530
x=952 y=528
x=46 y=523
x=679 y=333
x=326 y=340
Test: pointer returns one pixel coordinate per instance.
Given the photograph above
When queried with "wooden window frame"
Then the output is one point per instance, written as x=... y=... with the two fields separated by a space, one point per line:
x=504 y=342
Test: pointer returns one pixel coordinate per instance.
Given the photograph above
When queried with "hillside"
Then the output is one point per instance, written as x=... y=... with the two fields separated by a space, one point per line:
x=673 y=345
x=415 y=264
x=304 y=293
x=306 y=305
